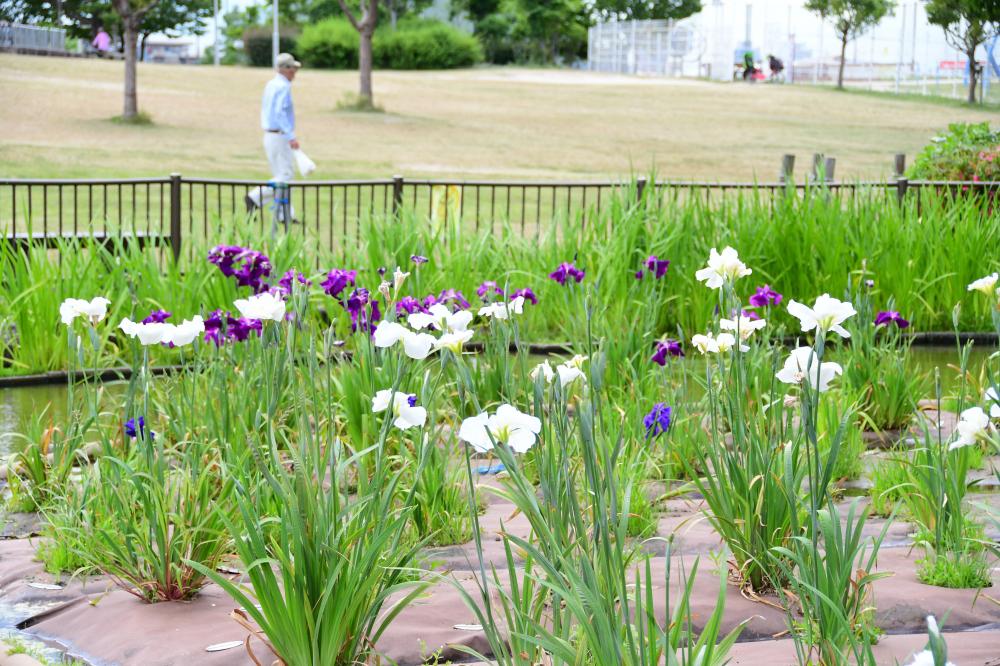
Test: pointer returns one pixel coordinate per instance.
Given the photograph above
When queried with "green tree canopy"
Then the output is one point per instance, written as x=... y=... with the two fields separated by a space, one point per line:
x=625 y=10
x=850 y=18
x=966 y=25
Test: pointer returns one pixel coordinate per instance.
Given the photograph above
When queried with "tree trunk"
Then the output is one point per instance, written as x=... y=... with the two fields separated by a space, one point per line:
x=971 y=55
x=843 y=59
x=131 y=37
x=365 y=66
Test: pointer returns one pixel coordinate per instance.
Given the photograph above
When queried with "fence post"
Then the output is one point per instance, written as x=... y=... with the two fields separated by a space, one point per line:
x=787 y=168
x=817 y=167
x=902 y=184
x=900 y=165
x=640 y=187
x=175 y=215
x=397 y=194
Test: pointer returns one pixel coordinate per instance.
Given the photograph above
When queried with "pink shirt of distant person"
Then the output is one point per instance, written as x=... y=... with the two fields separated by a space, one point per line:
x=102 y=42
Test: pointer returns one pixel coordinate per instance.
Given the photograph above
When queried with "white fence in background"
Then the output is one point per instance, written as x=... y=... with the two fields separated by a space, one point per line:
x=16 y=37
x=653 y=48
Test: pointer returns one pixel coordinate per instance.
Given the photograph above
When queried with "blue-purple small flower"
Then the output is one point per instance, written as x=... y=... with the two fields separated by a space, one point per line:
x=407 y=305
x=451 y=297
x=665 y=348
x=527 y=294
x=418 y=259
x=488 y=287
x=765 y=296
x=337 y=280
x=657 y=421
x=411 y=400
x=157 y=317
x=133 y=429
x=656 y=266
x=285 y=283
x=887 y=317
x=567 y=271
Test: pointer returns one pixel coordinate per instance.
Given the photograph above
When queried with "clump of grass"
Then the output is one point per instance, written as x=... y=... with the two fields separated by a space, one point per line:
x=355 y=103
x=956 y=569
x=140 y=119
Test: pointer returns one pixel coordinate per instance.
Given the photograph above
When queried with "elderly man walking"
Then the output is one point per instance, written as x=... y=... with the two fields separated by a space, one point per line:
x=277 y=119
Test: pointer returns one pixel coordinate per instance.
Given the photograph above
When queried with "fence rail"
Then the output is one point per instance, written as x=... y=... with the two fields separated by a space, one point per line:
x=169 y=211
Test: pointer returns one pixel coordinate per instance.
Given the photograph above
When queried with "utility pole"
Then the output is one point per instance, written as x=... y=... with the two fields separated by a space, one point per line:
x=274 y=35
x=215 y=21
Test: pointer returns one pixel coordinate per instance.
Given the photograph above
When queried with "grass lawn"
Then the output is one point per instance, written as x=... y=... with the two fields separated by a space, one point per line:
x=481 y=123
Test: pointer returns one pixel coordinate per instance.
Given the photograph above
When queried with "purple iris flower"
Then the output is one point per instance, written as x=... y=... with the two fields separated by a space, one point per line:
x=253 y=265
x=256 y=266
x=665 y=348
x=221 y=328
x=750 y=314
x=886 y=317
x=639 y=274
x=453 y=296
x=565 y=271
x=526 y=294
x=338 y=280
x=765 y=296
x=157 y=317
x=657 y=421
x=488 y=287
x=418 y=259
x=411 y=400
x=133 y=429
x=381 y=271
x=224 y=256
x=241 y=328
x=408 y=305
x=285 y=283
x=657 y=266
x=364 y=311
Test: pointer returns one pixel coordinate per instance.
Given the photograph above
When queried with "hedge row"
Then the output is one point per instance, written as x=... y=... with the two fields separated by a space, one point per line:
x=333 y=44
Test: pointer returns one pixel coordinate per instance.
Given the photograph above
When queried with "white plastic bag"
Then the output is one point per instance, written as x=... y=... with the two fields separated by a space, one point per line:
x=305 y=165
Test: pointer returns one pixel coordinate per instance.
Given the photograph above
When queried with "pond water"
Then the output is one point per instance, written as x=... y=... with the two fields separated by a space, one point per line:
x=20 y=407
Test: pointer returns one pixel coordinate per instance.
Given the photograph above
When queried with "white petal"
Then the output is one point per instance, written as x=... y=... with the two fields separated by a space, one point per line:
x=473 y=430
x=411 y=417
x=380 y=402
x=520 y=440
x=418 y=345
x=388 y=333
x=420 y=320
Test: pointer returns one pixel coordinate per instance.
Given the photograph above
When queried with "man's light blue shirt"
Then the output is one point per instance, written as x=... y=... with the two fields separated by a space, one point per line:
x=276 y=110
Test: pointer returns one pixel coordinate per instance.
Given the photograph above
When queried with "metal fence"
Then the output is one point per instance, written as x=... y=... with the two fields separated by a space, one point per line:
x=31 y=39
x=173 y=212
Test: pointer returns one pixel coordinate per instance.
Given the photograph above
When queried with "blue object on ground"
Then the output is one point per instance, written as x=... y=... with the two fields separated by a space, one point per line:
x=495 y=469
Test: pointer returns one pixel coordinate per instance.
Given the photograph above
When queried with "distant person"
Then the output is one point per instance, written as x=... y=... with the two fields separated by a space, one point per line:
x=277 y=119
x=748 y=67
x=102 y=42
x=776 y=66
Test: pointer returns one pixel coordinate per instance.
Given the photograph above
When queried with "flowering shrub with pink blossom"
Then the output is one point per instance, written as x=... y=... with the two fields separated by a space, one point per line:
x=967 y=151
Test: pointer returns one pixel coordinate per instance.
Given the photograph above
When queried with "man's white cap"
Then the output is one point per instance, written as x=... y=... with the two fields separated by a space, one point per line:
x=287 y=60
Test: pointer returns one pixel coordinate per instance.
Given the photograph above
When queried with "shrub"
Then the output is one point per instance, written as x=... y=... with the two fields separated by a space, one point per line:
x=257 y=44
x=333 y=44
x=434 y=46
x=329 y=44
x=967 y=151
